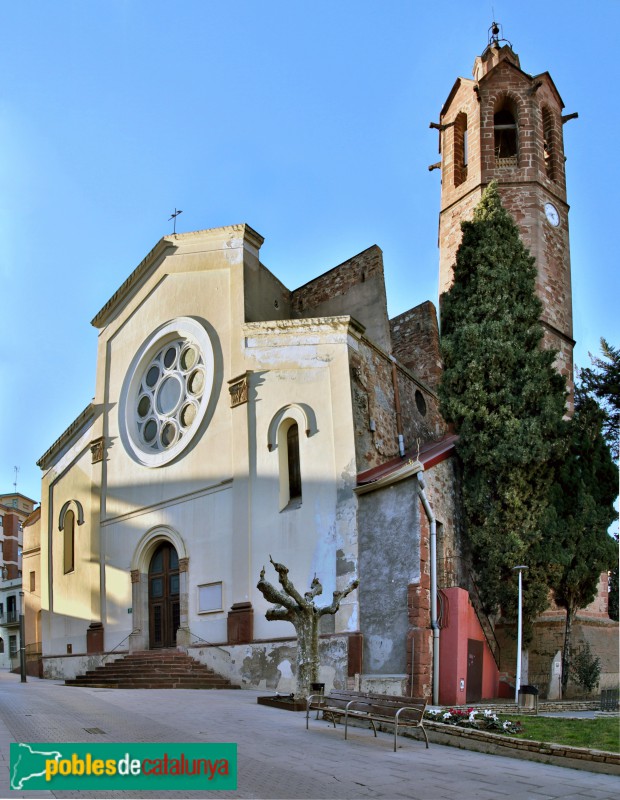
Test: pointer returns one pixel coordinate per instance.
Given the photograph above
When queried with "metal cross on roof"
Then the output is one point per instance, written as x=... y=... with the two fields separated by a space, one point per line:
x=174 y=217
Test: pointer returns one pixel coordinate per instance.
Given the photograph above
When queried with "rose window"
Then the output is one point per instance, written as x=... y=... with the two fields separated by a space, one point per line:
x=167 y=392
x=169 y=396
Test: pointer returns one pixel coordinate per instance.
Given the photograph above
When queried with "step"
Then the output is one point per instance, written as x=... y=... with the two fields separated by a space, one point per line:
x=165 y=669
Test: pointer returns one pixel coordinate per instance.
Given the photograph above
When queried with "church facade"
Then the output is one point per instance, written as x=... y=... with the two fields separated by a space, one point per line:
x=235 y=419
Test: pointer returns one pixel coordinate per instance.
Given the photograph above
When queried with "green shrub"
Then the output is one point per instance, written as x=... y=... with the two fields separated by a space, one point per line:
x=586 y=668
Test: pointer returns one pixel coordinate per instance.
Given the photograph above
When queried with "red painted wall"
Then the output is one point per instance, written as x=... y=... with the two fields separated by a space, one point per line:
x=461 y=625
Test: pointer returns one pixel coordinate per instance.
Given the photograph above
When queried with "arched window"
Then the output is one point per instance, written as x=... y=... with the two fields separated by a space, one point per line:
x=1 y=645
x=506 y=135
x=294 y=468
x=460 y=149
x=290 y=464
x=548 y=143
x=69 y=541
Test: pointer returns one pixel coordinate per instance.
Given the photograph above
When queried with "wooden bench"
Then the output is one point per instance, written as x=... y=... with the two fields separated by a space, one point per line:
x=403 y=712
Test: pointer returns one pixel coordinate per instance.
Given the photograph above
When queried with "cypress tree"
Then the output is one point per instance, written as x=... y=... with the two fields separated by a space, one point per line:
x=500 y=390
x=601 y=381
x=582 y=510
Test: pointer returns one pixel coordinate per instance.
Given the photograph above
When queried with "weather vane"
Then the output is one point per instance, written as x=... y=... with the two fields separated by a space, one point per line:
x=174 y=217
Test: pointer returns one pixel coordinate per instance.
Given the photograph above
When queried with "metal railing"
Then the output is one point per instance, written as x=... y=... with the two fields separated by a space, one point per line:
x=210 y=644
x=454 y=573
x=116 y=646
x=610 y=699
x=34 y=651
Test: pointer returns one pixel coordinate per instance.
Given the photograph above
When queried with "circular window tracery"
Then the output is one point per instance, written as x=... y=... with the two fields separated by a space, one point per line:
x=166 y=392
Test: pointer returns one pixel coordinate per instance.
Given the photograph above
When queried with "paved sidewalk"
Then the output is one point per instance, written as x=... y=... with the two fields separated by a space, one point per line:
x=277 y=757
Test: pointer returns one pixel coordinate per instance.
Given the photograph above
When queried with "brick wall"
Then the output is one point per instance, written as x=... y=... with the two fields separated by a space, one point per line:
x=442 y=491
x=10 y=529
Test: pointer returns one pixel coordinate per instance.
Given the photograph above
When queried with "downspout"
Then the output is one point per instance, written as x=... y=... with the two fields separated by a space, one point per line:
x=433 y=554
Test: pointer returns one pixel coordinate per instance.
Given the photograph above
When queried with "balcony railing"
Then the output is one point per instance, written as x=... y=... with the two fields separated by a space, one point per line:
x=9 y=618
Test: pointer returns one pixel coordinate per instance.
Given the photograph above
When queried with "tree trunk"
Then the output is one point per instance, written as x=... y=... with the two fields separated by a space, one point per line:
x=566 y=653
x=307 y=626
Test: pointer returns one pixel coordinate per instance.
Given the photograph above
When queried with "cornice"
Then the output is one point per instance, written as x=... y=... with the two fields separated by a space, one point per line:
x=67 y=437
x=148 y=264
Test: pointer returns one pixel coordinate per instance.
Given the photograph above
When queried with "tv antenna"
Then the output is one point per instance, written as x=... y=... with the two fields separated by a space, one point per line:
x=15 y=470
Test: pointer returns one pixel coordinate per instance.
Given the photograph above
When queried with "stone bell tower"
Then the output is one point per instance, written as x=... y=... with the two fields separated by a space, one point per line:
x=506 y=125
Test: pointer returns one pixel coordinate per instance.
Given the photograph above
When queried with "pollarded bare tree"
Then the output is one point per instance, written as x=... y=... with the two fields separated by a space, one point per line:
x=305 y=616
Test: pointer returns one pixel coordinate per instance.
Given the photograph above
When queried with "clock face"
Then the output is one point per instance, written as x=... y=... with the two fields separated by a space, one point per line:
x=166 y=392
x=553 y=214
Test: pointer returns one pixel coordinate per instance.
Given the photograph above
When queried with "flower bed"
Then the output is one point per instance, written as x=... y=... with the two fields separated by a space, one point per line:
x=474 y=719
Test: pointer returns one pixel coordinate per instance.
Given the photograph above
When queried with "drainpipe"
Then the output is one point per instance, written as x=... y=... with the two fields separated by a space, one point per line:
x=433 y=554
x=399 y=416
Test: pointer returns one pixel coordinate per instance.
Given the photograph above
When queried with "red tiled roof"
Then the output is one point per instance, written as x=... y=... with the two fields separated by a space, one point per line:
x=430 y=454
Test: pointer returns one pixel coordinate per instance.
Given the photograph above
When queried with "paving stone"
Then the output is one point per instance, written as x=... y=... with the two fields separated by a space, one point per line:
x=277 y=758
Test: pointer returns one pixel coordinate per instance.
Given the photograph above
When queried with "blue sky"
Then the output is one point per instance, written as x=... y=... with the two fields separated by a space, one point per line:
x=307 y=120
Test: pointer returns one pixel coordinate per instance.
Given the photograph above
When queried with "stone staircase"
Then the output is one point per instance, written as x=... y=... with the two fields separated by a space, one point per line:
x=153 y=669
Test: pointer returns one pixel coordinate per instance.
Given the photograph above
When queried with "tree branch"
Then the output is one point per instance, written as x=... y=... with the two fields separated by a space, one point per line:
x=280 y=613
x=287 y=584
x=315 y=589
x=337 y=597
x=274 y=595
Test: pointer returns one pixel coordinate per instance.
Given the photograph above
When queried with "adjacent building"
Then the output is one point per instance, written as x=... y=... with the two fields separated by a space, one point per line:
x=15 y=508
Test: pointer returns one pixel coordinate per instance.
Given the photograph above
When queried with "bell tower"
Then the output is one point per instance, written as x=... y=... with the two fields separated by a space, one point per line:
x=506 y=126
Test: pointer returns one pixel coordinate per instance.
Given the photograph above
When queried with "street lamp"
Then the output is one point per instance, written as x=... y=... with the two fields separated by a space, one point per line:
x=520 y=568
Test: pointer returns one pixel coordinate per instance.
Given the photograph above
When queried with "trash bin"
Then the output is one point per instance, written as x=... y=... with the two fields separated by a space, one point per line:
x=528 y=697
x=317 y=688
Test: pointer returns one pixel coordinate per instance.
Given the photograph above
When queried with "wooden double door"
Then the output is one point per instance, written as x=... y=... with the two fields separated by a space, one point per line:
x=164 y=602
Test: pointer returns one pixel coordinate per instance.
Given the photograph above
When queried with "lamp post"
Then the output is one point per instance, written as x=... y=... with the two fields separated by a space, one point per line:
x=520 y=569
x=22 y=639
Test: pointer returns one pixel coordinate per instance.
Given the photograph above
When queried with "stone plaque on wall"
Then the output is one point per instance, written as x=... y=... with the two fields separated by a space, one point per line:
x=238 y=389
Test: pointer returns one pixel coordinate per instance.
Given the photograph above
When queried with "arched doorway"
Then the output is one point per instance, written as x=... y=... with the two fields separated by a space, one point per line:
x=164 y=600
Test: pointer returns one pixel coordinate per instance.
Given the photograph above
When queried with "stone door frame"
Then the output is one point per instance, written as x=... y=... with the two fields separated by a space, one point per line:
x=150 y=541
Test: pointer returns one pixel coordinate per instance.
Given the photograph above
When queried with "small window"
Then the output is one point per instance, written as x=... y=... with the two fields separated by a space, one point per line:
x=1 y=645
x=289 y=464
x=461 y=155
x=69 y=542
x=33 y=581
x=505 y=133
x=548 y=143
x=294 y=468
x=210 y=598
x=420 y=402
x=12 y=645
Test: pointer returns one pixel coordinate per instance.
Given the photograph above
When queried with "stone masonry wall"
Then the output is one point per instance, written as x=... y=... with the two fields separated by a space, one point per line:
x=537 y=178
x=355 y=287
x=415 y=342
x=548 y=641
x=374 y=407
